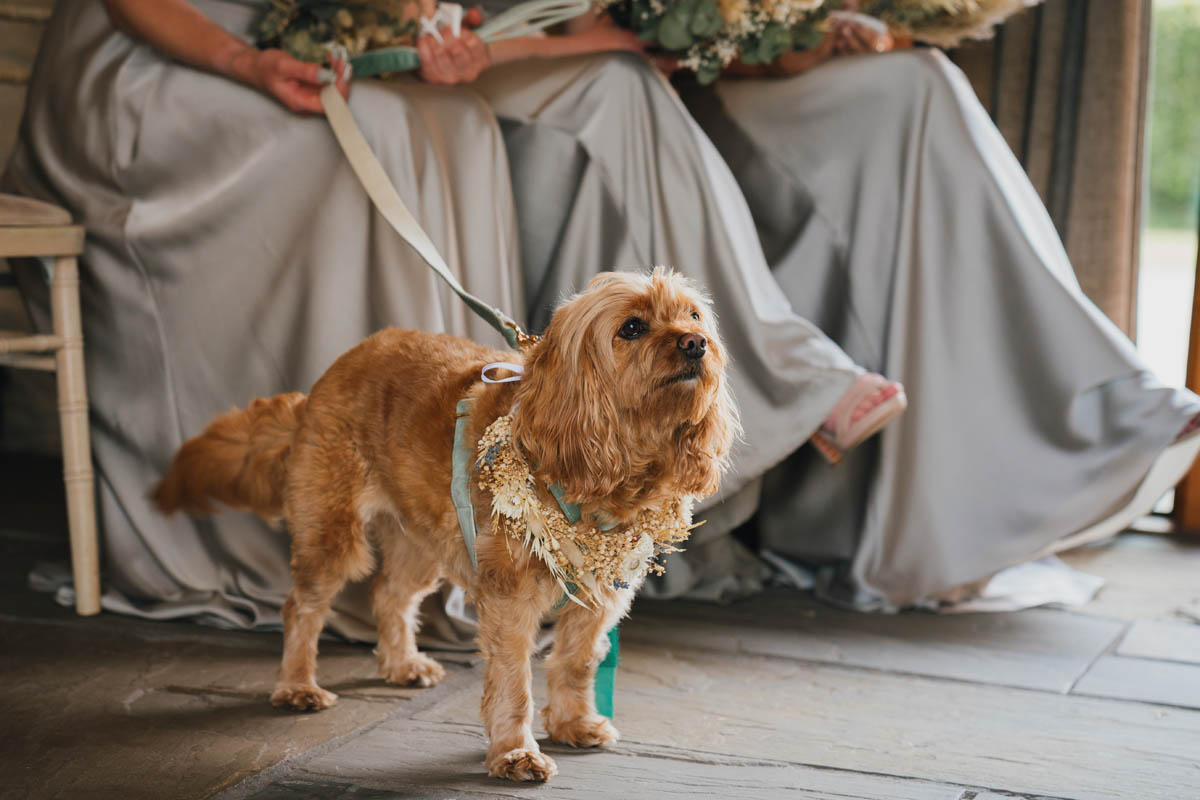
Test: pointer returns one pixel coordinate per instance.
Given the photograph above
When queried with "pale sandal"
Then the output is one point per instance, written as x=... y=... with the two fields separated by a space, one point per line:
x=832 y=441
x=1189 y=430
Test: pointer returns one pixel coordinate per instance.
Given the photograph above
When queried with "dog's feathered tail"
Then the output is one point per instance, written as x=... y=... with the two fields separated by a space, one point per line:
x=240 y=460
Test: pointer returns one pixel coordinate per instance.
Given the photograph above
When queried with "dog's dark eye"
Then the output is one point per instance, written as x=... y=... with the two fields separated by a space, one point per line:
x=695 y=315
x=632 y=328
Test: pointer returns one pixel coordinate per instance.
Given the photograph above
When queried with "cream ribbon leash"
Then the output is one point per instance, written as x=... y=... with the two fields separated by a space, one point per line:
x=521 y=20
x=383 y=194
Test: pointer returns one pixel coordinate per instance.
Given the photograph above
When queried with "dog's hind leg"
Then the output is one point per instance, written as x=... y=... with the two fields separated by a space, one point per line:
x=326 y=552
x=580 y=644
x=406 y=576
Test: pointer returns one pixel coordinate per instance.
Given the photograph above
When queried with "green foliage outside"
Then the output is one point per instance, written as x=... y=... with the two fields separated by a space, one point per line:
x=1175 y=116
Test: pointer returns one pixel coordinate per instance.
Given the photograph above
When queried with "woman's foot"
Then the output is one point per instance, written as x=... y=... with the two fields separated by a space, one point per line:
x=871 y=403
x=1189 y=430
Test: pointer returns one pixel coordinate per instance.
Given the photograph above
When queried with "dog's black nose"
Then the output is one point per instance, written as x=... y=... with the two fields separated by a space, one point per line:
x=693 y=345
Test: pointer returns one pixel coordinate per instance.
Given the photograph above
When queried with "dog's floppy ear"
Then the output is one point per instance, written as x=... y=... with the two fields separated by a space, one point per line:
x=567 y=422
x=702 y=447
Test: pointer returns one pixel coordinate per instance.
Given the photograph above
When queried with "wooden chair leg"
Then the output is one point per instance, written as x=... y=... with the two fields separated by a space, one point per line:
x=77 y=451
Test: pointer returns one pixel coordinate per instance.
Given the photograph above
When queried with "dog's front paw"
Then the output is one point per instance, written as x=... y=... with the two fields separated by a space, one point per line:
x=420 y=670
x=302 y=698
x=590 y=731
x=522 y=765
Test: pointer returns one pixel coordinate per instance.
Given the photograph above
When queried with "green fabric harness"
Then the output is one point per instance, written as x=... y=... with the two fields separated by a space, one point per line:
x=460 y=493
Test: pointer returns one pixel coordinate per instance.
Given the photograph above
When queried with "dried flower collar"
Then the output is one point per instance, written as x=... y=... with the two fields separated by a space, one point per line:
x=581 y=556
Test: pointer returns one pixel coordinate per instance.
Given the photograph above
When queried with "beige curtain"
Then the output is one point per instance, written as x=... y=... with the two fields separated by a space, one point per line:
x=1066 y=84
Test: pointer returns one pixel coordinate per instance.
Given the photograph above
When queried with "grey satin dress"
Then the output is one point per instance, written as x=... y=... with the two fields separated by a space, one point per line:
x=897 y=219
x=232 y=254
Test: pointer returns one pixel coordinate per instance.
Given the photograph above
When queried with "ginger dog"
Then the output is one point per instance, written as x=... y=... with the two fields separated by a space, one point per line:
x=623 y=403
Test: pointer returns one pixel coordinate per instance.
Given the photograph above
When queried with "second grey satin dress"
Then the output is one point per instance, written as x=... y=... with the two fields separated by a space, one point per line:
x=896 y=218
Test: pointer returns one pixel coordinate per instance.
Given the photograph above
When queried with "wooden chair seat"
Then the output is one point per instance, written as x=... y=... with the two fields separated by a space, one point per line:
x=33 y=229
x=18 y=212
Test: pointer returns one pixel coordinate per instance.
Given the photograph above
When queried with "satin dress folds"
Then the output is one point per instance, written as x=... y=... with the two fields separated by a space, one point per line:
x=231 y=254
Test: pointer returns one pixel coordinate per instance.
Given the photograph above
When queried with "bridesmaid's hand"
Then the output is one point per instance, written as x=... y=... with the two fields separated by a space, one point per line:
x=852 y=39
x=455 y=59
x=294 y=83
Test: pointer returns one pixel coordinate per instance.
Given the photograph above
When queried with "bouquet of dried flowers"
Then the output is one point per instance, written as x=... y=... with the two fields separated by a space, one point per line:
x=306 y=28
x=707 y=35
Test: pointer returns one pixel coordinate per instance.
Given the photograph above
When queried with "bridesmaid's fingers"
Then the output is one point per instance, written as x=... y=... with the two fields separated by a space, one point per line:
x=460 y=59
x=298 y=98
x=442 y=62
x=288 y=67
x=431 y=69
x=858 y=41
x=827 y=47
x=425 y=55
x=478 y=52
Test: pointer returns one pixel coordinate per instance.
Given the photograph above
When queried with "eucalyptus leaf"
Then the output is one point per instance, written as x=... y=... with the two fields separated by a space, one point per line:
x=776 y=40
x=673 y=30
x=706 y=19
x=807 y=37
x=708 y=72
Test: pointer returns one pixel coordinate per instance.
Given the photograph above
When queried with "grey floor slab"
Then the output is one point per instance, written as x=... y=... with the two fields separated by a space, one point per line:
x=1036 y=649
x=1145 y=576
x=1164 y=682
x=1167 y=641
x=106 y=707
x=443 y=760
x=1011 y=740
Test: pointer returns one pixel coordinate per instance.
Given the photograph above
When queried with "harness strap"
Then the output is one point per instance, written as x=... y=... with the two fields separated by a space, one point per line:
x=460 y=491
x=460 y=480
x=570 y=510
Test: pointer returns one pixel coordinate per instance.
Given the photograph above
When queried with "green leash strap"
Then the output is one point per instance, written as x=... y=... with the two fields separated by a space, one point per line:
x=385 y=60
x=383 y=194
